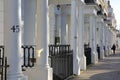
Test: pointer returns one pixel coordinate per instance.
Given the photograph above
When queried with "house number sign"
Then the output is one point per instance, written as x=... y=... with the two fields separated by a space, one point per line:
x=15 y=28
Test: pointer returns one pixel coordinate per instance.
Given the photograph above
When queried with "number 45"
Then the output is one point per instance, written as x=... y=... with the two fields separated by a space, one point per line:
x=15 y=28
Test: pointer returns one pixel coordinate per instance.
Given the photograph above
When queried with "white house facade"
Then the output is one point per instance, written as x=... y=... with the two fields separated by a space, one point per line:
x=54 y=39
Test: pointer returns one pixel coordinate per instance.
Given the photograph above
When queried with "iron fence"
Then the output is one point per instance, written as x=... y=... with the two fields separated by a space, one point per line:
x=1 y=61
x=90 y=1
x=3 y=64
x=28 y=56
x=61 y=61
x=87 y=52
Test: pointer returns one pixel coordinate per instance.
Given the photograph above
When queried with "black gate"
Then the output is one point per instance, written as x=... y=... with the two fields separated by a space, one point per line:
x=3 y=64
x=87 y=52
x=28 y=56
x=61 y=61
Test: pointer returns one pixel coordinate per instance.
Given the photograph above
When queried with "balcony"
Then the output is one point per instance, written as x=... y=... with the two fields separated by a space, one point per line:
x=100 y=12
x=90 y=1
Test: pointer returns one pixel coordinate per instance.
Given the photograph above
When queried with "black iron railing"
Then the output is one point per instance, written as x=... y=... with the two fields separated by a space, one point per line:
x=1 y=61
x=28 y=56
x=61 y=61
x=3 y=64
x=5 y=68
x=90 y=1
x=101 y=11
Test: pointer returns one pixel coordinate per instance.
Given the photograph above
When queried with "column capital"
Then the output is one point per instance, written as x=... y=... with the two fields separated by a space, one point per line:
x=91 y=9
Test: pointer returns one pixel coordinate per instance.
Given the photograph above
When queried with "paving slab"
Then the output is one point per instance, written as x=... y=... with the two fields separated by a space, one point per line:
x=106 y=69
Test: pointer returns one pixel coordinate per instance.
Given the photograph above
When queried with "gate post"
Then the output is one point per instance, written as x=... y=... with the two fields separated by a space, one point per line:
x=12 y=38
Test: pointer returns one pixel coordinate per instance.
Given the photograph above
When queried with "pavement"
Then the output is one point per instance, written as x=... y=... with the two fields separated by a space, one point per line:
x=106 y=69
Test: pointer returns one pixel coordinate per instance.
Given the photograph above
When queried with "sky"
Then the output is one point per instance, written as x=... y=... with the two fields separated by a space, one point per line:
x=115 y=4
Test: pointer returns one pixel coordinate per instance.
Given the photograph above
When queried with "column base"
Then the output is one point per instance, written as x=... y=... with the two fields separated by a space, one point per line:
x=83 y=63
x=45 y=73
x=94 y=58
x=106 y=53
x=110 y=52
x=17 y=77
x=39 y=73
x=76 y=66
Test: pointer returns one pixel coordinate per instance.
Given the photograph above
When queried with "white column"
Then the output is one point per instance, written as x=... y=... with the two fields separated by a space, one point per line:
x=106 y=38
x=63 y=29
x=81 y=37
x=74 y=37
x=29 y=22
x=52 y=23
x=58 y=25
x=45 y=72
x=69 y=29
x=94 y=58
x=101 y=41
x=99 y=19
x=12 y=38
x=86 y=34
x=86 y=30
x=107 y=47
x=109 y=42
x=1 y=22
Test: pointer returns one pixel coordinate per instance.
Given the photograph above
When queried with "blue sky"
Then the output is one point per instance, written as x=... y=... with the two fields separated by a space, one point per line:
x=116 y=9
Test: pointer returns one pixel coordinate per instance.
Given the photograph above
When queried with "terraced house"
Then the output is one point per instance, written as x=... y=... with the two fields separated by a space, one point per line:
x=53 y=39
